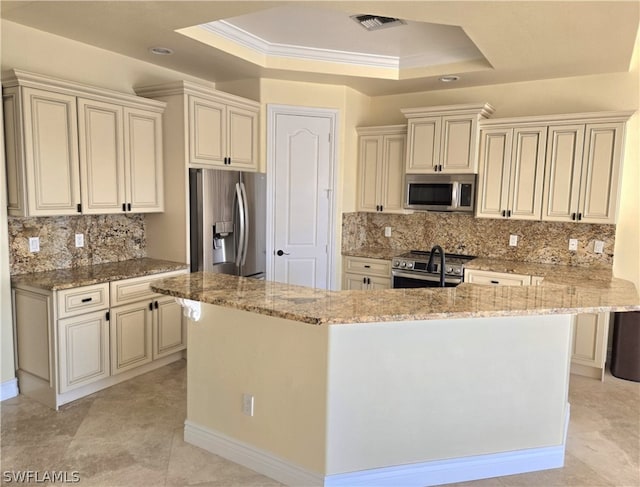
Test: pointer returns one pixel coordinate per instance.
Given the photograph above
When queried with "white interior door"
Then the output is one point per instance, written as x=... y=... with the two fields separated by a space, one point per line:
x=302 y=195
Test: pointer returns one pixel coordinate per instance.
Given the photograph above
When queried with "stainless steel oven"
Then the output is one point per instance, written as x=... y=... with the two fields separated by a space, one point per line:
x=412 y=270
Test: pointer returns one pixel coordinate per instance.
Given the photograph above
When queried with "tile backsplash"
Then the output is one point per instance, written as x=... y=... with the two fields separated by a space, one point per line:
x=107 y=238
x=538 y=242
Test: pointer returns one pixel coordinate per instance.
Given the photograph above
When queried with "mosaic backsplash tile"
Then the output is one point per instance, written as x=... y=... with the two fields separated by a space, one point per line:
x=538 y=242
x=107 y=238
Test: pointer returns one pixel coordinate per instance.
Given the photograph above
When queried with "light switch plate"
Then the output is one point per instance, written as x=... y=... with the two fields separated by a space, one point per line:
x=34 y=244
x=598 y=247
x=513 y=240
x=573 y=244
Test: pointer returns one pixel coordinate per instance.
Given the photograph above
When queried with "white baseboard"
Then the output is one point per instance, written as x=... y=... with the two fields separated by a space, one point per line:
x=9 y=389
x=249 y=456
x=416 y=474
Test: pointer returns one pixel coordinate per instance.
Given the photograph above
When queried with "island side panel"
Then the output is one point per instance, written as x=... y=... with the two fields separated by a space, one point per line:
x=282 y=363
x=413 y=392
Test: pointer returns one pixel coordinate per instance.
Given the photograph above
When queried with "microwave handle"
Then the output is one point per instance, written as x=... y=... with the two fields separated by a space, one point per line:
x=455 y=190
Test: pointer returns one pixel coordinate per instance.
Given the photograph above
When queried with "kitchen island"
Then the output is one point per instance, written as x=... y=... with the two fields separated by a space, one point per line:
x=392 y=387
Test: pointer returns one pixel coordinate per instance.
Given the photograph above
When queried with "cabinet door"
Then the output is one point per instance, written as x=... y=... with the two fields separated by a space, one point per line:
x=527 y=173
x=51 y=153
x=590 y=344
x=562 y=172
x=423 y=153
x=101 y=136
x=458 y=144
x=143 y=160
x=169 y=330
x=392 y=173
x=600 y=172
x=354 y=282
x=369 y=174
x=380 y=283
x=83 y=347
x=131 y=330
x=493 y=175
x=242 y=138
x=207 y=137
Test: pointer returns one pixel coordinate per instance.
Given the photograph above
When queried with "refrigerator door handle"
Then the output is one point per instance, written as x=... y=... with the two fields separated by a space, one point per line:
x=241 y=215
x=245 y=245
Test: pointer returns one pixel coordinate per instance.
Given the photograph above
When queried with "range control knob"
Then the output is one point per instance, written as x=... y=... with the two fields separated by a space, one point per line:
x=396 y=263
x=403 y=264
x=457 y=270
x=449 y=270
x=409 y=265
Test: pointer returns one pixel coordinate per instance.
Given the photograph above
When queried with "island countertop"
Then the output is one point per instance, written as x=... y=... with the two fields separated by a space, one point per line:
x=318 y=306
x=94 y=274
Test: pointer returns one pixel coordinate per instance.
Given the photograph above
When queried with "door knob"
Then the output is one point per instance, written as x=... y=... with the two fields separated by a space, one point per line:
x=280 y=253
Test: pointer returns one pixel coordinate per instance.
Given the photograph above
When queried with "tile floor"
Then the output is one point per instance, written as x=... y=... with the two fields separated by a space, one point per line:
x=131 y=435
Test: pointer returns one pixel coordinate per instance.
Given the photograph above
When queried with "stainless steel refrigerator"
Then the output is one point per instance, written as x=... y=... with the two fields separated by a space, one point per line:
x=227 y=220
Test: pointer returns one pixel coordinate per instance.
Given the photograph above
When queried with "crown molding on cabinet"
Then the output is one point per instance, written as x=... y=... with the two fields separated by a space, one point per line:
x=189 y=88
x=569 y=118
x=484 y=110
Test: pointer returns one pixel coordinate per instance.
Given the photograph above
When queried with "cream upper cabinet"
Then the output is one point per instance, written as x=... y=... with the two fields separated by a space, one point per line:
x=582 y=172
x=380 y=168
x=102 y=173
x=511 y=172
x=223 y=134
x=444 y=139
x=144 y=177
x=42 y=152
x=75 y=149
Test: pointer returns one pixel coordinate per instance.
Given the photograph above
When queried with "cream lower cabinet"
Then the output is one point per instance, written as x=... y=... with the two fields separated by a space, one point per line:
x=381 y=168
x=360 y=273
x=589 y=353
x=73 y=342
x=511 y=172
x=496 y=278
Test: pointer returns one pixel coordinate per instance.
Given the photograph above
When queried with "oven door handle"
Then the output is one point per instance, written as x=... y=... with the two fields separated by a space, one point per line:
x=424 y=277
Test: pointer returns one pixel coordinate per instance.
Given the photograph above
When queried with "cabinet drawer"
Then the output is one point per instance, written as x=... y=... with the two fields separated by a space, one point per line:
x=79 y=300
x=369 y=267
x=135 y=289
x=496 y=278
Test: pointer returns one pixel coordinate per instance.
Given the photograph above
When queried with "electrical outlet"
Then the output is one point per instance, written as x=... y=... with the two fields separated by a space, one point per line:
x=34 y=244
x=247 y=404
x=79 y=239
x=387 y=231
x=598 y=247
x=573 y=244
x=513 y=240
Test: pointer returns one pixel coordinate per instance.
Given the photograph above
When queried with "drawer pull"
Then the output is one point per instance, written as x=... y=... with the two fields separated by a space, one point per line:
x=87 y=300
x=367 y=266
x=495 y=282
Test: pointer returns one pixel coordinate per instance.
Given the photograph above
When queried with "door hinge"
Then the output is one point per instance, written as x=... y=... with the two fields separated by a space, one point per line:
x=329 y=137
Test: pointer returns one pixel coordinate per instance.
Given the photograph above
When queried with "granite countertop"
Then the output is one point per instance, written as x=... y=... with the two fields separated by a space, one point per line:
x=95 y=274
x=374 y=253
x=318 y=306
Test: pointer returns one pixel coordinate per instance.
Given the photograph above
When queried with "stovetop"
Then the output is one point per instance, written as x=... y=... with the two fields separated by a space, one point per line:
x=416 y=260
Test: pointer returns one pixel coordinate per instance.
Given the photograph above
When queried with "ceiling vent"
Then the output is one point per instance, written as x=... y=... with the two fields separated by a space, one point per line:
x=375 y=22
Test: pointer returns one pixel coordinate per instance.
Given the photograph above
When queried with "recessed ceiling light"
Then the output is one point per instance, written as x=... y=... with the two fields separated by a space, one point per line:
x=161 y=51
x=449 y=79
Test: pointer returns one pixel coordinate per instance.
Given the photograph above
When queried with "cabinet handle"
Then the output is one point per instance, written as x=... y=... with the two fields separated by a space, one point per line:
x=108 y=317
x=87 y=300
x=579 y=216
x=508 y=213
x=381 y=208
x=151 y=306
x=573 y=216
x=504 y=214
x=367 y=266
x=128 y=206
x=155 y=305
x=494 y=282
x=364 y=280
x=440 y=168
x=435 y=168
x=79 y=208
x=229 y=160
x=369 y=280
x=124 y=207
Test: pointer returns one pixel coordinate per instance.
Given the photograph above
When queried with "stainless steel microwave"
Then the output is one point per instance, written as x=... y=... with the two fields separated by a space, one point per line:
x=440 y=192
